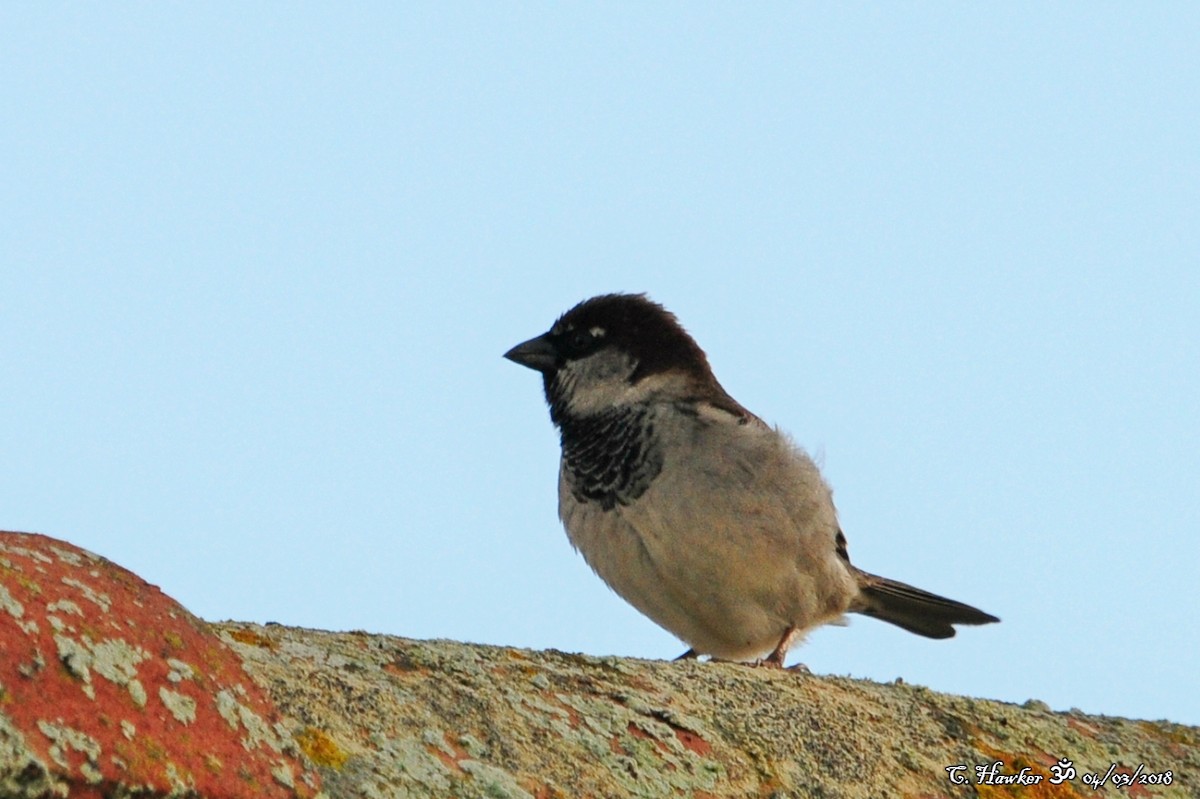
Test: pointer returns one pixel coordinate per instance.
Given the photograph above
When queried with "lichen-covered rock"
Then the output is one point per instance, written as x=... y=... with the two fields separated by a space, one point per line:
x=390 y=717
x=110 y=688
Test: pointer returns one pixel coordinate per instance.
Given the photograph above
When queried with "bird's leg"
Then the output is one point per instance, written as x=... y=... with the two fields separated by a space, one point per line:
x=777 y=656
x=691 y=654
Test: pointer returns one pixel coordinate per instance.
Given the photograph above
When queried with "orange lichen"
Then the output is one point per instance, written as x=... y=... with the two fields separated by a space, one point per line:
x=1086 y=730
x=637 y=732
x=97 y=654
x=693 y=742
x=252 y=638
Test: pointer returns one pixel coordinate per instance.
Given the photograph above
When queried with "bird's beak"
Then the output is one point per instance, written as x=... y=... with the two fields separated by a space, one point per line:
x=537 y=353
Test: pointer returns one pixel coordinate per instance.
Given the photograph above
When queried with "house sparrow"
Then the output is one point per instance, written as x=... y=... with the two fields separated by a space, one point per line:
x=699 y=514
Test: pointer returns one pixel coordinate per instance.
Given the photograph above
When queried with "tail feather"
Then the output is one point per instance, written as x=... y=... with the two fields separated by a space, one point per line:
x=912 y=609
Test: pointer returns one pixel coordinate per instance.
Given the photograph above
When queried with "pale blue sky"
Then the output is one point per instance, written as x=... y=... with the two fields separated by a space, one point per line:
x=259 y=263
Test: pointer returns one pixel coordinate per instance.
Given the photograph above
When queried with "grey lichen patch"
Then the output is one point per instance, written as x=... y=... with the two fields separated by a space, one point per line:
x=494 y=782
x=117 y=660
x=402 y=761
x=77 y=659
x=91 y=774
x=137 y=692
x=67 y=556
x=114 y=659
x=180 y=785
x=473 y=746
x=97 y=598
x=33 y=667
x=181 y=706
x=620 y=665
x=430 y=737
x=282 y=773
x=256 y=731
x=22 y=772
x=64 y=606
x=672 y=716
x=180 y=671
x=227 y=707
x=128 y=729
x=592 y=714
x=287 y=743
x=10 y=604
x=64 y=739
x=559 y=718
x=26 y=552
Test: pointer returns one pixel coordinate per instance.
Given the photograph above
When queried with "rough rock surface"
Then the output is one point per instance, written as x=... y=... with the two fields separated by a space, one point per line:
x=107 y=688
x=390 y=717
x=110 y=688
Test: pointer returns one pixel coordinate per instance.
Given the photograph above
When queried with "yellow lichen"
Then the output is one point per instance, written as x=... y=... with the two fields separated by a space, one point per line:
x=1171 y=732
x=252 y=638
x=320 y=748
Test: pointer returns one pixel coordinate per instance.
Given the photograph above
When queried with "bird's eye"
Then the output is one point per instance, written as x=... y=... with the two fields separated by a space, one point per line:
x=576 y=342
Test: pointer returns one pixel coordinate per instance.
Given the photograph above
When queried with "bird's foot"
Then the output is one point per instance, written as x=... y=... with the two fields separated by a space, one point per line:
x=779 y=653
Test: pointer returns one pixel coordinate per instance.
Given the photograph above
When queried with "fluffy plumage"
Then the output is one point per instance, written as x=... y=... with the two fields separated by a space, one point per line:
x=703 y=517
